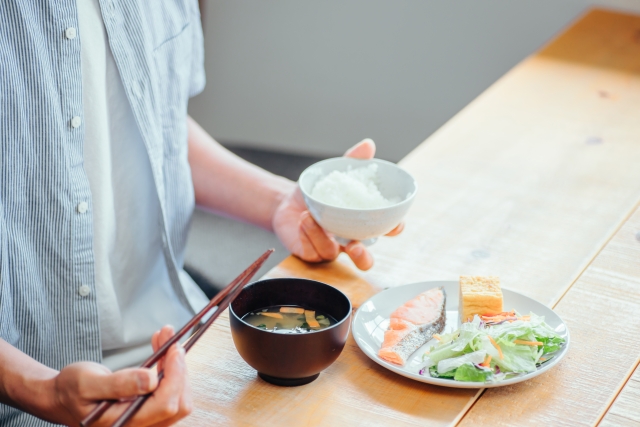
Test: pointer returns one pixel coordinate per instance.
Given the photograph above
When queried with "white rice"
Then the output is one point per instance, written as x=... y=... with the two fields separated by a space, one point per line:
x=354 y=189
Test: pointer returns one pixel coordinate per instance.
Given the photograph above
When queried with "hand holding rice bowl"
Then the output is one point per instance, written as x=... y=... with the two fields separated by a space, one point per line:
x=357 y=199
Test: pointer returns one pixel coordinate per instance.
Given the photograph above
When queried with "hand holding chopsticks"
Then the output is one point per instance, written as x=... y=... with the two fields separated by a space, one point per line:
x=221 y=301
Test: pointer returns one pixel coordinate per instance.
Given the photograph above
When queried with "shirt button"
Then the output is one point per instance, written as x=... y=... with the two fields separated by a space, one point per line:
x=70 y=33
x=84 y=290
x=82 y=207
x=76 y=121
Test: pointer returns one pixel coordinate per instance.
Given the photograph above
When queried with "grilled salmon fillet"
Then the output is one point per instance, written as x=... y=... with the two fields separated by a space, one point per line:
x=413 y=324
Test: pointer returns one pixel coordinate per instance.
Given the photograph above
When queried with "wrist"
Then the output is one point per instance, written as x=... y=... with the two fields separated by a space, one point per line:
x=27 y=384
x=50 y=405
x=34 y=392
x=282 y=190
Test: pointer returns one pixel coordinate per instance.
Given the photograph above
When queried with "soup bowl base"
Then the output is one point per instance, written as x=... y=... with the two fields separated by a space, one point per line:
x=287 y=382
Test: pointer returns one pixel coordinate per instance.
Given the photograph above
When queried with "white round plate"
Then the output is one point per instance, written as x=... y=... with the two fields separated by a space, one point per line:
x=372 y=319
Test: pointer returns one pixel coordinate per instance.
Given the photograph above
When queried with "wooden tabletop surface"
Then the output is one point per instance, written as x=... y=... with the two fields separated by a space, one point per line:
x=536 y=181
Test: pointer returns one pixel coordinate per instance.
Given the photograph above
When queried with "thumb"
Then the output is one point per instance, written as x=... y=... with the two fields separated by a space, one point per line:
x=364 y=149
x=120 y=384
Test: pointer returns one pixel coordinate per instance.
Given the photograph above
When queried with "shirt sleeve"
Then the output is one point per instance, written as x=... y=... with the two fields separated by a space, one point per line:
x=198 y=78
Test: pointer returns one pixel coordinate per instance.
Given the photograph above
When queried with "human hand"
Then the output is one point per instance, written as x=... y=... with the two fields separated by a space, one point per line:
x=80 y=386
x=303 y=237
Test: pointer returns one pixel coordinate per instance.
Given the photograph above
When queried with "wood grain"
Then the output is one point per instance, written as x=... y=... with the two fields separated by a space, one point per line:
x=531 y=179
x=352 y=390
x=583 y=386
x=529 y=182
x=601 y=311
x=625 y=410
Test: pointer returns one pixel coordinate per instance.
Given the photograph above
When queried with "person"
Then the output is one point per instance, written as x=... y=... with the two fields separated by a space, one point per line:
x=100 y=168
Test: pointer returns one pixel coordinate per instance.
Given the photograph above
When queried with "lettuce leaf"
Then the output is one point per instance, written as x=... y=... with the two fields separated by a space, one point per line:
x=441 y=352
x=462 y=343
x=457 y=355
x=450 y=364
x=516 y=358
x=551 y=344
x=433 y=371
x=469 y=372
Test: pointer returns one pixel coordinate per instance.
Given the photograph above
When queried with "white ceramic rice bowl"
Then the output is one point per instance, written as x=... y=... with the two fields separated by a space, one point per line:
x=360 y=224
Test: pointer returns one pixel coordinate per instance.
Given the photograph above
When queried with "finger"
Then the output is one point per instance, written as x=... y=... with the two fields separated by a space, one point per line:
x=396 y=230
x=167 y=402
x=325 y=246
x=157 y=340
x=186 y=407
x=364 y=149
x=307 y=251
x=303 y=248
x=154 y=341
x=118 y=385
x=164 y=335
x=359 y=255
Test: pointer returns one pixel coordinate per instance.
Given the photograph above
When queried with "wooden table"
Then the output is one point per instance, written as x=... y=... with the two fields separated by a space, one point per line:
x=537 y=181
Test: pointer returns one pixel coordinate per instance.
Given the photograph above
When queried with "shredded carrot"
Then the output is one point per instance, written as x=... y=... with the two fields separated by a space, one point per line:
x=495 y=318
x=436 y=336
x=502 y=313
x=487 y=361
x=489 y=315
x=275 y=315
x=531 y=343
x=495 y=344
x=293 y=310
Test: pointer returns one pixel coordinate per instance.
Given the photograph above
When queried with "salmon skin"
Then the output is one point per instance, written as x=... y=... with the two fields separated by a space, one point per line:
x=413 y=324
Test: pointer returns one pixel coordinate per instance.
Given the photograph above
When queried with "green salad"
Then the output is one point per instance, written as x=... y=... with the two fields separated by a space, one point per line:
x=492 y=349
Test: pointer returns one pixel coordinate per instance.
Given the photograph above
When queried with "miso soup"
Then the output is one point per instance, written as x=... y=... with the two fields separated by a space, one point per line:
x=288 y=319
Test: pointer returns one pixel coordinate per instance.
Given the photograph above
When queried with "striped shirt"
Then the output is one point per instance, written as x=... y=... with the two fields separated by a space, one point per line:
x=48 y=306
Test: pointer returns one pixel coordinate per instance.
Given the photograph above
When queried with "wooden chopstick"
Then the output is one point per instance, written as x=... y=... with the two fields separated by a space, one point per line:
x=237 y=283
x=139 y=401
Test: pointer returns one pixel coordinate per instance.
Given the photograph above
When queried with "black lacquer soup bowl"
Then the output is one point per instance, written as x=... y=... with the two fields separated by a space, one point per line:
x=290 y=359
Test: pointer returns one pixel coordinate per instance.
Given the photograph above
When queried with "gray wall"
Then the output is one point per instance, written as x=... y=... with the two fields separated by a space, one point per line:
x=314 y=77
